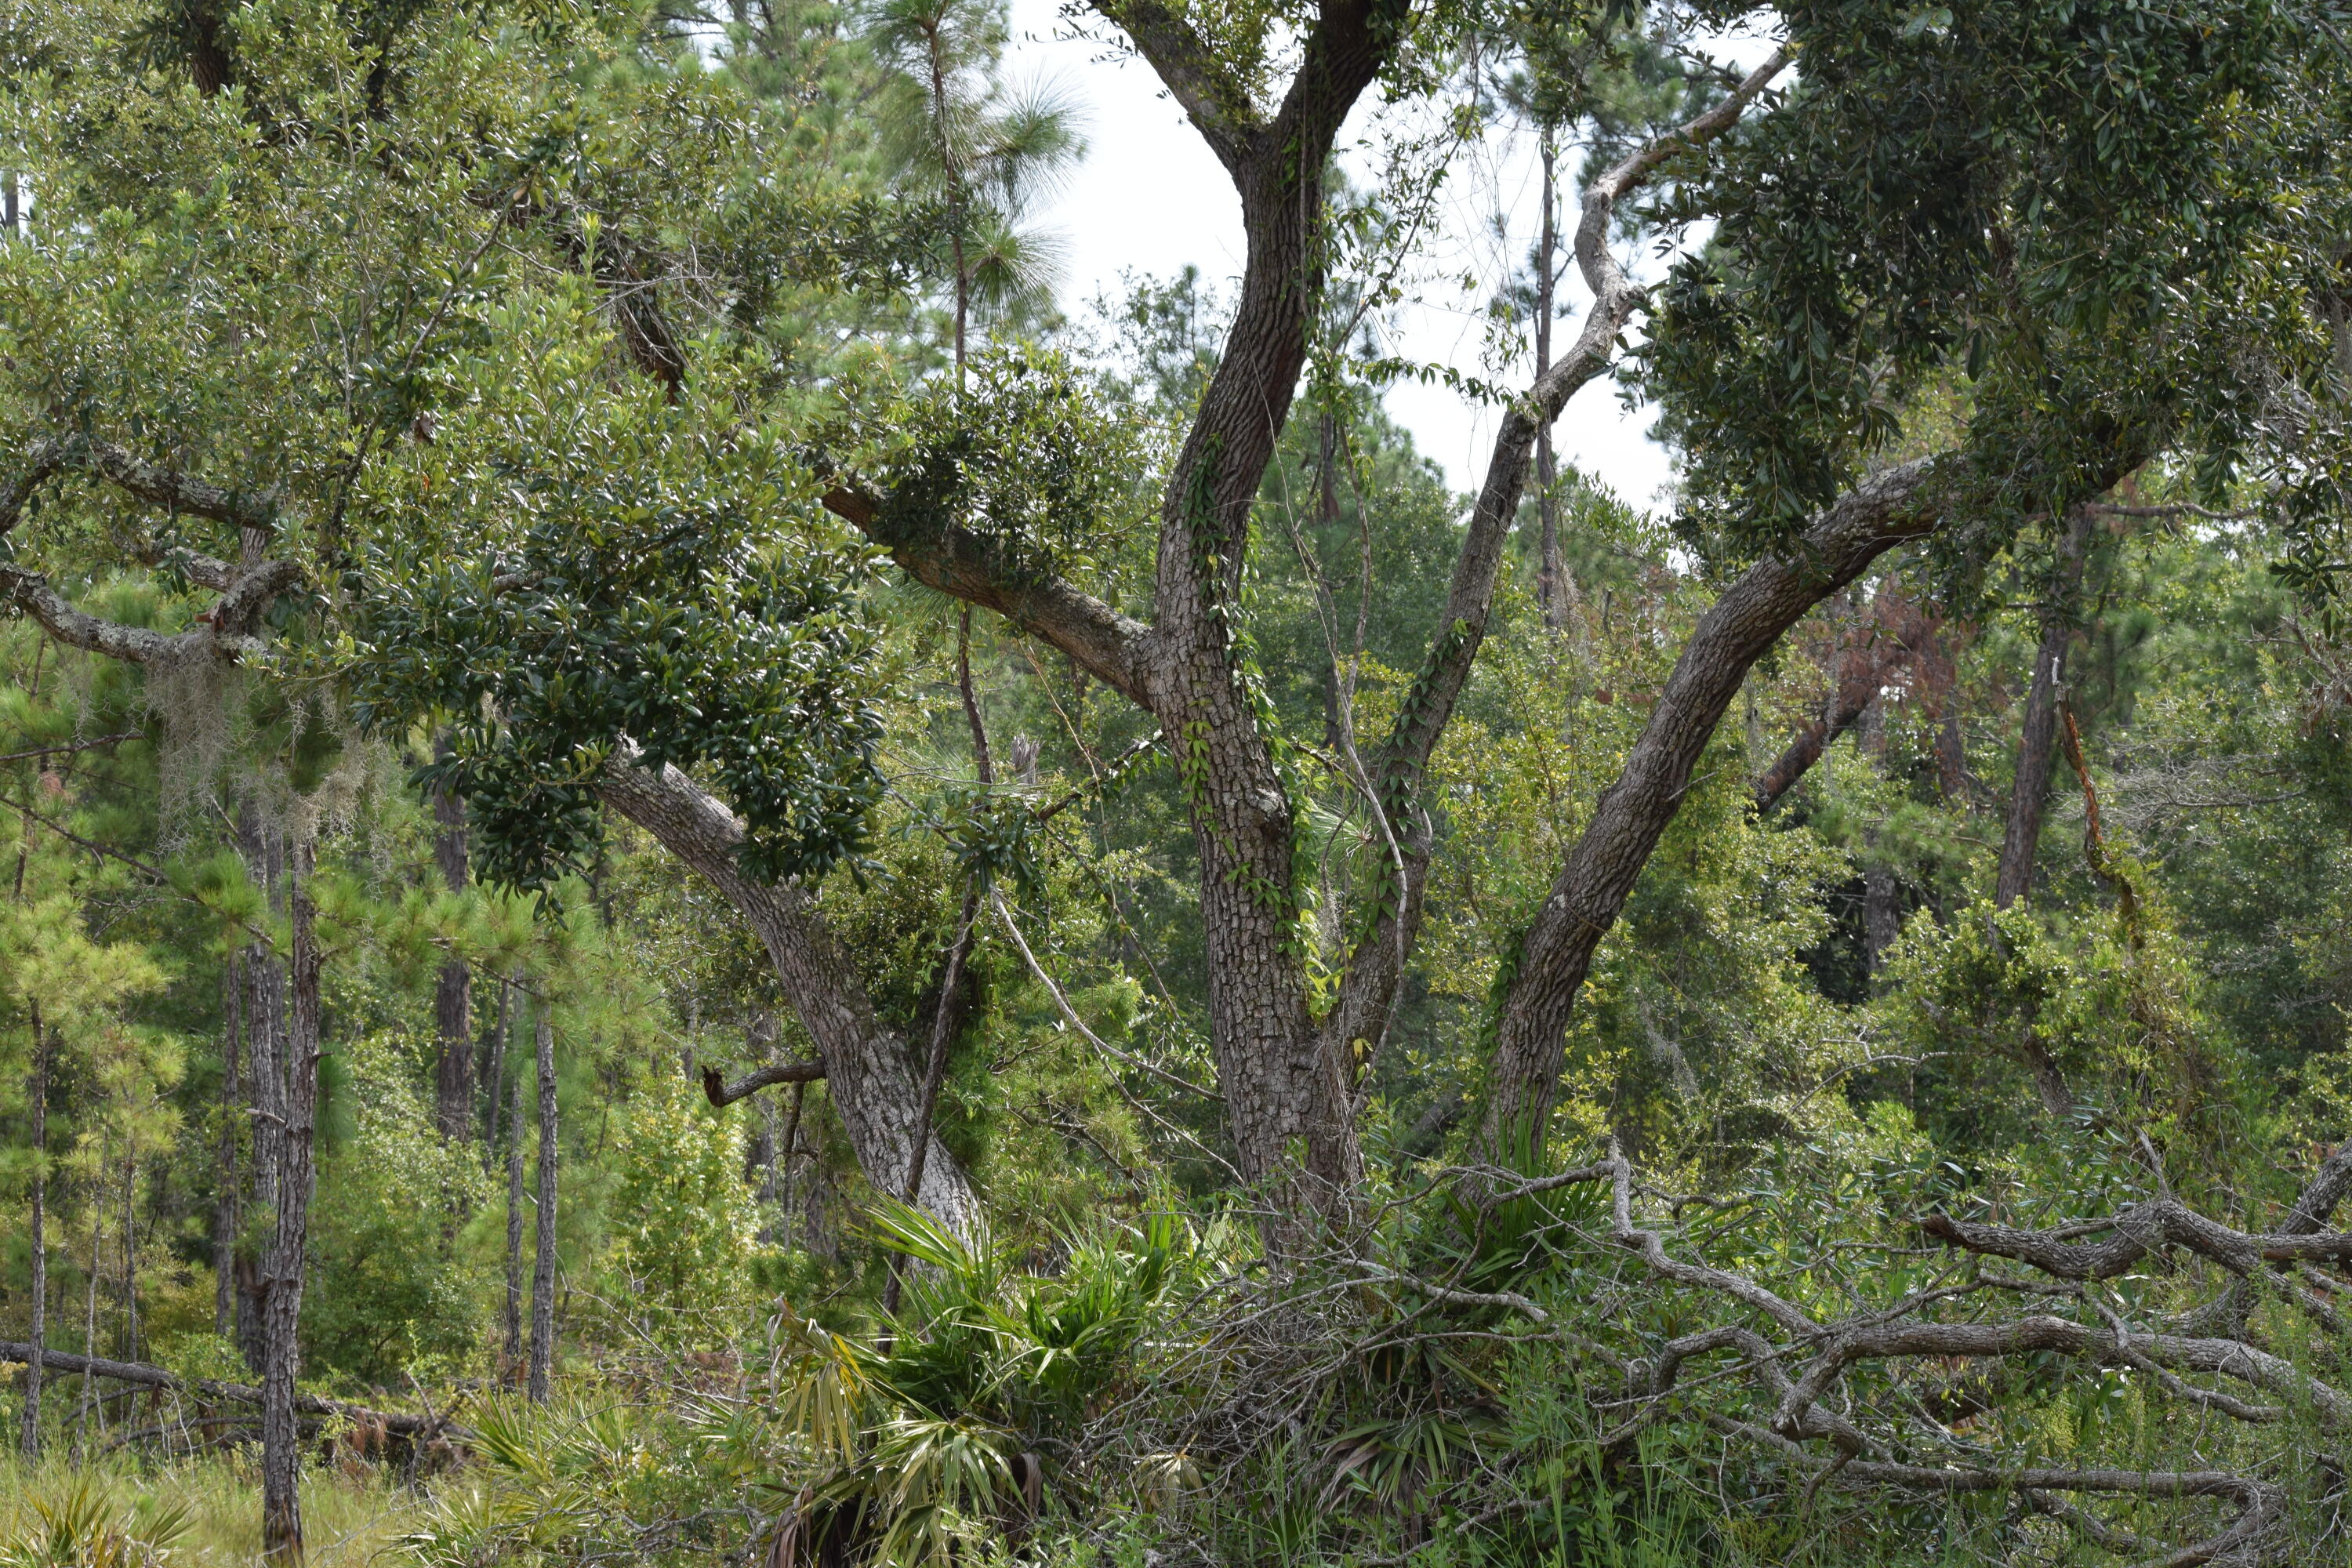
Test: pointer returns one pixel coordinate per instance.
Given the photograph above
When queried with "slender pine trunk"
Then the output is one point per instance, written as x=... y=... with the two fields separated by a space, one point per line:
x=89 y=1317
x=494 y=1078
x=511 y=1355
x=282 y=1438
x=39 y=1091
x=129 y=1255
x=453 y=1110
x=542 y=1279
x=224 y=1194
x=262 y=843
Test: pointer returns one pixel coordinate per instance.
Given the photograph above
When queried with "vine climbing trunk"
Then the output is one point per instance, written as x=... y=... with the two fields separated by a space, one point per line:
x=281 y=1439
x=2037 y=744
x=542 y=1279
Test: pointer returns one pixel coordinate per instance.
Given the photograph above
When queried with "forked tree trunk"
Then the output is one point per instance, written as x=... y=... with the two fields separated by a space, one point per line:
x=542 y=1279
x=38 y=1091
x=2037 y=745
x=282 y=1438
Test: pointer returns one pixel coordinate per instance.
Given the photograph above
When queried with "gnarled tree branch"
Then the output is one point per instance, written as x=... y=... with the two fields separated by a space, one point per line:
x=868 y=1067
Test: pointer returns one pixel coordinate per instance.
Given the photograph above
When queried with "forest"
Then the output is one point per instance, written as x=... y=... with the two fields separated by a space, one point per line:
x=692 y=870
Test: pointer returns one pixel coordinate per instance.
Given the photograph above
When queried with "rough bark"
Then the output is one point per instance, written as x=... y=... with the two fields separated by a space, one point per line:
x=281 y=1505
x=38 y=1091
x=510 y=1356
x=1592 y=886
x=2037 y=736
x=453 y=1012
x=543 y=1278
x=869 y=1071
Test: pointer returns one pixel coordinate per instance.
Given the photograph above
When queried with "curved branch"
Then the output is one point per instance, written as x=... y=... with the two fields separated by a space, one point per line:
x=2140 y=1230
x=1112 y=648
x=868 y=1069
x=1886 y=510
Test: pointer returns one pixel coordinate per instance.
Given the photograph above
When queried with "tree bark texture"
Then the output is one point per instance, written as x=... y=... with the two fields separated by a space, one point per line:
x=1601 y=872
x=1285 y=1085
x=281 y=1462
x=453 y=1099
x=870 y=1073
x=1287 y=1081
x=38 y=1091
x=2038 y=735
x=543 y=1278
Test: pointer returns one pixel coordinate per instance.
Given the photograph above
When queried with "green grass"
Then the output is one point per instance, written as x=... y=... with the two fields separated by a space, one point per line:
x=203 y=1510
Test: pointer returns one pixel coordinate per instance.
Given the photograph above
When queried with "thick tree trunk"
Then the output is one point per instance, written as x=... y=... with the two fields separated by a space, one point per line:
x=1601 y=872
x=453 y=1100
x=870 y=1074
x=543 y=1278
x=38 y=1092
x=281 y=1438
x=2038 y=736
x=510 y=1351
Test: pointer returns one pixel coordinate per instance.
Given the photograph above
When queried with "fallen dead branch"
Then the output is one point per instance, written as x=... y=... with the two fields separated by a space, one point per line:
x=163 y=1379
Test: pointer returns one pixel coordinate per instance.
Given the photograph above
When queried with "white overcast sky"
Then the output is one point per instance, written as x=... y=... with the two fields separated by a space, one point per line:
x=1149 y=197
